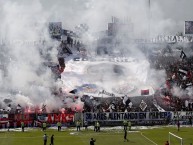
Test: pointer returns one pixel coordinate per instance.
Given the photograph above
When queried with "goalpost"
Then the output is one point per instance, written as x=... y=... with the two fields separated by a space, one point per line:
x=174 y=139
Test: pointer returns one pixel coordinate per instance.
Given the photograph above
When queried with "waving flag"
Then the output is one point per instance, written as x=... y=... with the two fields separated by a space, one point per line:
x=182 y=55
x=145 y=92
x=143 y=105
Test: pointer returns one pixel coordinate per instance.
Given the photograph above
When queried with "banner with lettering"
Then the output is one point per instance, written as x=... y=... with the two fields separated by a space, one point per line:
x=120 y=116
x=54 y=118
x=182 y=115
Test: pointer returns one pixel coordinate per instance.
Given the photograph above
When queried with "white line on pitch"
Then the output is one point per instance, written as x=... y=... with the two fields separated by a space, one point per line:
x=148 y=139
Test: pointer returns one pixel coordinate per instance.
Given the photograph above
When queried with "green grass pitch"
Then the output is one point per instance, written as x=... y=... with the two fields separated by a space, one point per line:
x=151 y=136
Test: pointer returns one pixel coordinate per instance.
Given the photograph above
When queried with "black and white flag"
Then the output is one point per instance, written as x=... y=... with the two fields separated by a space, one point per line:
x=43 y=108
x=188 y=84
x=143 y=105
x=183 y=71
x=18 y=107
x=182 y=55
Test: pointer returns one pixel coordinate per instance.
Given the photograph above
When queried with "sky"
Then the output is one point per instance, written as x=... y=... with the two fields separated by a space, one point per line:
x=176 y=9
x=167 y=16
x=173 y=11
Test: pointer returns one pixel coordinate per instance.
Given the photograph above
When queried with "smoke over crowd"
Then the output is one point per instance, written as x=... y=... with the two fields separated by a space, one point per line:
x=23 y=32
x=25 y=46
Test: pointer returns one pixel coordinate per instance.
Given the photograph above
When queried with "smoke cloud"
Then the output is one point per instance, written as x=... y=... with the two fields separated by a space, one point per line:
x=23 y=31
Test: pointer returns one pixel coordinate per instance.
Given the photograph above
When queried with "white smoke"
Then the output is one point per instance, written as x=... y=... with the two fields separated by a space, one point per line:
x=147 y=22
x=23 y=28
x=178 y=92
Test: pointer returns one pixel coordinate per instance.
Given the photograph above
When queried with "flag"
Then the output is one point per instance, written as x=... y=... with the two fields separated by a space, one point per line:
x=188 y=84
x=113 y=107
x=183 y=71
x=8 y=108
x=145 y=92
x=43 y=108
x=73 y=91
x=143 y=105
x=182 y=55
x=18 y=107
x=61 y=61
x=77 y=59
x=167 y=100
x=84 y=59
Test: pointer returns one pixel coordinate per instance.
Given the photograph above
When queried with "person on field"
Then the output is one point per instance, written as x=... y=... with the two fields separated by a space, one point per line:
x=52 y=140
x=190 y=120
x=59 y=124
x=125 y=136
x=178 y=125
x=129 y=125
x=95 y=126
x=98 y=127
x=92 y=141
x=86 y=125
x=22 y=126
x=166 y=143
x=125 y=124
x=8 y=126
x=44 y=126
x=45 y=138
x=78 y=123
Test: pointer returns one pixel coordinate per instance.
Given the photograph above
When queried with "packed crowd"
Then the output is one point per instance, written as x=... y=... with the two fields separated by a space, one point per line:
x=179 y=74
x=176 y=94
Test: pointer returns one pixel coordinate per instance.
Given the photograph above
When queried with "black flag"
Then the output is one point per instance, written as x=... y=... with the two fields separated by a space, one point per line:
x=73 y=91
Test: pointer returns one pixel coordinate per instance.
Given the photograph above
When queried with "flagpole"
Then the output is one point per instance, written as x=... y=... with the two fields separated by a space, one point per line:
x=149 y=17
